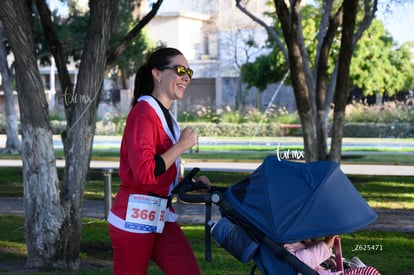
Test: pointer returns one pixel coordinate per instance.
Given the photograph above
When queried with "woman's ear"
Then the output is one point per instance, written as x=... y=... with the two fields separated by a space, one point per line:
x=156 y=74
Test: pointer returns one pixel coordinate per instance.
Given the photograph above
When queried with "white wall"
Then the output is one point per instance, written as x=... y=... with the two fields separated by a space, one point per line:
x=179 y=29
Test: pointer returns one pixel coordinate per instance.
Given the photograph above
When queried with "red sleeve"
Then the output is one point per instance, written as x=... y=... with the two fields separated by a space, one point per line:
x=144 y=137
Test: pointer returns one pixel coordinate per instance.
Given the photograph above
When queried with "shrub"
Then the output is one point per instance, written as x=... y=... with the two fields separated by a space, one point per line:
x=233 y=129
x=200 y=113
x=388 y=120
x=389 y=112
x=380 y=130
x=249 y=115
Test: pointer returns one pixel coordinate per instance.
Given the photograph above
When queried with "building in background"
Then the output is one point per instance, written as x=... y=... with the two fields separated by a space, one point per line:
x=213 y=36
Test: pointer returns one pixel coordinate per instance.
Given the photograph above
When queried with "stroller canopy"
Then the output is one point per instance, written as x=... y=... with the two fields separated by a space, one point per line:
x=292 y=201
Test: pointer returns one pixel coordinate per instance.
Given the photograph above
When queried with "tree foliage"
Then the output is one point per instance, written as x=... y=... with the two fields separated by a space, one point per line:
x=377 y=67
x=71 y=31
x=380 y=67
x=135 y=54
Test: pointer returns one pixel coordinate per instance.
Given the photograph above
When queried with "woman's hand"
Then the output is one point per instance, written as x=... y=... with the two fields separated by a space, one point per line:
x=206 y=182
x=188 y=138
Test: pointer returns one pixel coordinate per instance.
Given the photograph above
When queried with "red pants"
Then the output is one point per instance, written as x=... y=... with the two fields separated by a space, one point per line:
x=170 y=250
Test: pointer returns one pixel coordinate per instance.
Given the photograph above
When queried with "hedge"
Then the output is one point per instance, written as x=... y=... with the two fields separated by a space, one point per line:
x=382 y=130
x=390 y=130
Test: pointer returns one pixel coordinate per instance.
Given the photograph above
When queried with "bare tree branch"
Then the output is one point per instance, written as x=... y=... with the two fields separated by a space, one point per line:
x=310 y=80
x=362 y=27
x=270 y=30
x=369 y=15
x=323 y=27
x=342 y=83
x=114 y=52
x=322 y=62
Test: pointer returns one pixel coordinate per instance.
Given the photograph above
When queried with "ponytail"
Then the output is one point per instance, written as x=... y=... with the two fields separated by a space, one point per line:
x=144 y=83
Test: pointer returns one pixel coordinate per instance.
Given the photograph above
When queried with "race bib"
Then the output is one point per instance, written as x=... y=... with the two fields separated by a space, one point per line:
x=146 y=213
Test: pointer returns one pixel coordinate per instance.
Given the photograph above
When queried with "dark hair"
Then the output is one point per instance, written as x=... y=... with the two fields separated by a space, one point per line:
x=144 y=84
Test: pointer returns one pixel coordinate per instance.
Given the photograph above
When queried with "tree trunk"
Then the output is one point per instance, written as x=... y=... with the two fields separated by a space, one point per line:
x=80 y=129
x=43 y=214
x=239 y=95
x=321 y=90
x=342 y=83
x=53 y=222
x=13 y=145
x=290 y=28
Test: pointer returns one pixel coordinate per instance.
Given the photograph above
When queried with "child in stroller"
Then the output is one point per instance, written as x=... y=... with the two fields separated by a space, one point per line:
x=315 y=252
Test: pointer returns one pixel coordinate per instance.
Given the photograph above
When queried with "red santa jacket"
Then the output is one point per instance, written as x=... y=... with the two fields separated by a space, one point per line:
x=146 y=134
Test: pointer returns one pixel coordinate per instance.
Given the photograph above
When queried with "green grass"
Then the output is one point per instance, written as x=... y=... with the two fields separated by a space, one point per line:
x=390 y=158
x=391 y=192
x=393 y=255
x=392 y=251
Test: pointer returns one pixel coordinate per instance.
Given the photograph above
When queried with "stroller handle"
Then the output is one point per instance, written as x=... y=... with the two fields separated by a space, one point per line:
x=188 y=179
x=185 y=195
x=188 y=185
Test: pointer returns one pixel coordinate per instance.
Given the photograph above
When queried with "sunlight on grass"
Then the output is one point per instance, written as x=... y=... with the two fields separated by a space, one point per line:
x=17 y=247
x=12 y=242
x=390 y=253
x=391 y=194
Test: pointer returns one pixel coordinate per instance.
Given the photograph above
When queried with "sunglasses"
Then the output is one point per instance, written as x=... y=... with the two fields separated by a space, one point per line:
x=179 y=70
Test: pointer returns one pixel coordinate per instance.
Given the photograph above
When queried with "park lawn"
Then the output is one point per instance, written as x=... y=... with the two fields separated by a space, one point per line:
x=392 y=255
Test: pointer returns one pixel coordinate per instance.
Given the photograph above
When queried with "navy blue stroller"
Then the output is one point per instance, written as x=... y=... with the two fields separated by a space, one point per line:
x=281 y=202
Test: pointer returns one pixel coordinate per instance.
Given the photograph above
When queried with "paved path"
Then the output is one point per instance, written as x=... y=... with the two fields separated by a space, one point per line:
x=388 y=220
x=349 y=169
